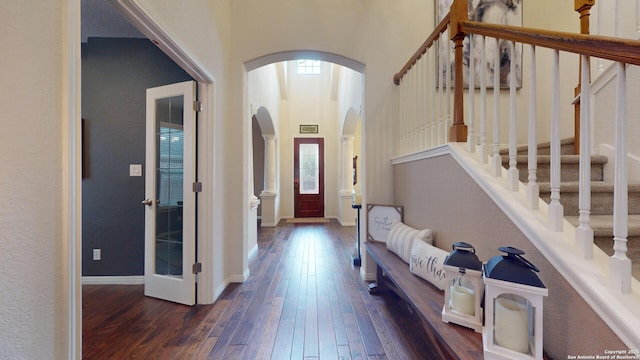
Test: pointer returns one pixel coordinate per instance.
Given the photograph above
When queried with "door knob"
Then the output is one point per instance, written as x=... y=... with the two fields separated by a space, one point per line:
x=147 y=202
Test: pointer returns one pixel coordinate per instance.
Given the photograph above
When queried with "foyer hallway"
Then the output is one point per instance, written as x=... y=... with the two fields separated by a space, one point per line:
x=303 y=300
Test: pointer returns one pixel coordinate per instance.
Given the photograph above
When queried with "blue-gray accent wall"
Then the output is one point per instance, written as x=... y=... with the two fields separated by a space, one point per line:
x=115 y=76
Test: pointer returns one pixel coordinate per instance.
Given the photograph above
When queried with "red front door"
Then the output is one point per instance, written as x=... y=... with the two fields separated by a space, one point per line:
x=308 y=177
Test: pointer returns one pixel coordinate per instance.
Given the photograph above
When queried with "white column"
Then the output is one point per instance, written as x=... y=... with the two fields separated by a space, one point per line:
x=270 y=164
x=347 y=164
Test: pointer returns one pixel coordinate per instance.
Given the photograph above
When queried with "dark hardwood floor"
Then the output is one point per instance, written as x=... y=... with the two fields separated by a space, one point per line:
x=303 y=300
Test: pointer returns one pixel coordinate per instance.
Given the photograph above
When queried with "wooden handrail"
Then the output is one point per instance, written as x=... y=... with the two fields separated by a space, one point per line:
x=610 y=48
x=442 y=26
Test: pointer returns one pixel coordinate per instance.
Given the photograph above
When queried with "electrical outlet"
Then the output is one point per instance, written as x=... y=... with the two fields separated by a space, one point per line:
x=97 y=254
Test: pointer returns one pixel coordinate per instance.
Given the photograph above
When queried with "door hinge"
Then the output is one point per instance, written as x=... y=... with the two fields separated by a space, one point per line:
x=197 y=268
x=197 y=106
x=197 y=187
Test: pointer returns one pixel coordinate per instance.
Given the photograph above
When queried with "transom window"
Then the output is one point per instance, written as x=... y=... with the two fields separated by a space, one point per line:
x=309 y=67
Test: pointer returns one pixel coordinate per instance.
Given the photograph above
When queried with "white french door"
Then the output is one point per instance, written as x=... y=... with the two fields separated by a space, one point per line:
x=169 y=197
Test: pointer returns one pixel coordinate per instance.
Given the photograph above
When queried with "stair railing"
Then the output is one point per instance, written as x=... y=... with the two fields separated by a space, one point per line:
x=424 y=121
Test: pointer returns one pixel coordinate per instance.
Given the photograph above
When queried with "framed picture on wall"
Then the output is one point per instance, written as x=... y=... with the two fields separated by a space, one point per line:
x=308 y=129
x=503 y=12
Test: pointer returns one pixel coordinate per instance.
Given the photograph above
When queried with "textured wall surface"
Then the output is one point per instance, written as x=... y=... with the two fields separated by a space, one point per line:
x=31 y=215
x=424 y=187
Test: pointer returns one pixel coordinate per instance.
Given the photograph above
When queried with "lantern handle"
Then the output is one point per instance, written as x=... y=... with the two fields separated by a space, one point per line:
x=517 y=255
x=463 y=246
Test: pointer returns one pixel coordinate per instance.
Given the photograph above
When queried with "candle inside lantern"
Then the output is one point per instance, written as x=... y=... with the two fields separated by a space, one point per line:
x=463 y=300
x=356 y=198
x=511 y=326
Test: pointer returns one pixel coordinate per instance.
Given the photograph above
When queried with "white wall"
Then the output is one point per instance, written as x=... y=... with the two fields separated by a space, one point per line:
x=32 y=240
x=309 y=103
x=265 y=92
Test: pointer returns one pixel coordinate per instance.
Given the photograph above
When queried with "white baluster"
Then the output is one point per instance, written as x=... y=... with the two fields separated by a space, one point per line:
x=419 y=102
x=637 y=19
x=420 y=105
x=600 y=21
x=483 y=102
x=471 y=139
x=434 y=98
x=496 y=159
x=620 y=264
x=533 y=190
x=411 y=94
x=555 y=210
x=441 y=67
x=427 y=99
x=513 y=174
x=401 y=103
x=584 y=232
x=449 y=76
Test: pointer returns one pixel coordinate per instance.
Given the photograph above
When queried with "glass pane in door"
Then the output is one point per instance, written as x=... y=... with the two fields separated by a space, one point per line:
x=309 y=169
x=169 y=186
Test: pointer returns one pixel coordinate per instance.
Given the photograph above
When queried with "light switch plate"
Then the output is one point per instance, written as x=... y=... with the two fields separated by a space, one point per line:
x=135 y=169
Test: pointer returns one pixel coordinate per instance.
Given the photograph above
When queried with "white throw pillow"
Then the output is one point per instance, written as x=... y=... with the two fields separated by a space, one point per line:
x=426 y=261
x=402 y=237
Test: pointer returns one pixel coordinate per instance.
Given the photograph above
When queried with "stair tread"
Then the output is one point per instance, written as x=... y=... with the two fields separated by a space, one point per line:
x=596 y=186
x=542 y=145
x=602 y=225
x=564 y=159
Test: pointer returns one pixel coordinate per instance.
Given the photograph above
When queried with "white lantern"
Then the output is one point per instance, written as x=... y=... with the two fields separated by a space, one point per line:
x=513 y=307
x=463 y=293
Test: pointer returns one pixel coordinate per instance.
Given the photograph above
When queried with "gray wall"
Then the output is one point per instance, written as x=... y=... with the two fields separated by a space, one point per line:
x=438 y=194
x=115 y=74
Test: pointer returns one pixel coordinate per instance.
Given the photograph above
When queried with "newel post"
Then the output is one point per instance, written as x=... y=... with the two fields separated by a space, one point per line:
x=459 y=12
x=582 y=7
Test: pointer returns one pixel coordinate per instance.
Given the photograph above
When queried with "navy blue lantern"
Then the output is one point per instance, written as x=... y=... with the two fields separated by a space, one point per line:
x=513 y=307
x=463 y=294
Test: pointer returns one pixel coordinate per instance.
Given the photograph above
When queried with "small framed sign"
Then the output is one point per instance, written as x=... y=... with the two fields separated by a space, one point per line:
x=379 y=220
x=308 y=129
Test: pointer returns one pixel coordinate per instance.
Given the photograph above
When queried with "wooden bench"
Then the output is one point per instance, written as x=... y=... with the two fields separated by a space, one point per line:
x=449 y=341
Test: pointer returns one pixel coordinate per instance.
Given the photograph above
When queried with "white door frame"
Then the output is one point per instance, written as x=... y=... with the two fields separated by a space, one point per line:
x=72 y=161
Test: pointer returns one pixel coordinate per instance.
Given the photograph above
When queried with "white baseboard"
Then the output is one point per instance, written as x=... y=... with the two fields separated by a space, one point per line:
x=220 y=289
x=367 y=276
x=253 y=252
x=240 y=278
x=113 y=280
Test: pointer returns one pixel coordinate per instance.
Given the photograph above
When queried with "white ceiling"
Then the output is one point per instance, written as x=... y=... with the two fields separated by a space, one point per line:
x=101 y=19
